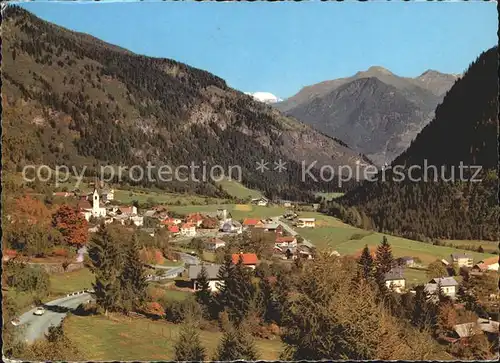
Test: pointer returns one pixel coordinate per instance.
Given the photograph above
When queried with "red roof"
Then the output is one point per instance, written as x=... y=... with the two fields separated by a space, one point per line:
x=187 y=225
x=285 y=239
x=168 y=221
x=250 y=221
x=125 y=209
x=173 y=229
x=490 y=260
x=248 y=258
x=196 y=217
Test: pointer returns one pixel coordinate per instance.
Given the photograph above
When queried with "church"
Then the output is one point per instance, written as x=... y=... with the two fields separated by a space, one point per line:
x=95 y=209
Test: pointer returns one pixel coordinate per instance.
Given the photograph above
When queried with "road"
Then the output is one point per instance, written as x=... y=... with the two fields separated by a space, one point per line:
x=290 y=230
x=55 y=311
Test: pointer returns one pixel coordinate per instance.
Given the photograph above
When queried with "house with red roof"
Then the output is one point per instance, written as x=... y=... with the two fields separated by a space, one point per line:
x=188 y=230
x=252 y=222
x=131 y=210
x=286 y=241
x=249 y=260
x=195 y=218
x=173 y=229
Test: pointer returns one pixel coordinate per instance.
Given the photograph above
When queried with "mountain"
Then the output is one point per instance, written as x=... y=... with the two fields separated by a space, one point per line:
x=378 y=115
x=71 y=99
x=441 y=206
x=265 y=97
x=379 y=121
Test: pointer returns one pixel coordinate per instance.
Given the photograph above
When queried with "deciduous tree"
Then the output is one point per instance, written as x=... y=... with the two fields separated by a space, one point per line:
x=72 y=225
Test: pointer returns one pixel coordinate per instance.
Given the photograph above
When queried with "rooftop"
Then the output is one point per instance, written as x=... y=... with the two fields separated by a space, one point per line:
x=394 y=274
x=444 y=281
x=212 y=271
x=248 y=258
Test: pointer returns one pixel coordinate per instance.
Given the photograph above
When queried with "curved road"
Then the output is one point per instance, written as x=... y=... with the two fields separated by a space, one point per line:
x=55 y=311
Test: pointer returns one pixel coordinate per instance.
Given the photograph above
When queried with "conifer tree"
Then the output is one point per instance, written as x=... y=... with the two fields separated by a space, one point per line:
x=383 y=258
x=203 y=294
x=132 y=279
x=223 y=275
x=236 y=344
x=240 y=292
x=366 y=263
x=106 y=261
x=188 y=347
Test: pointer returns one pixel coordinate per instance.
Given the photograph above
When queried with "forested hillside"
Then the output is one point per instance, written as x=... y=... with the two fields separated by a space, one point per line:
x=465 y=129
x=71 y=99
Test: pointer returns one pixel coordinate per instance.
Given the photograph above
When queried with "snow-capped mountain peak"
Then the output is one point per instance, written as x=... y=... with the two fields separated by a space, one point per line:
x=265 y=97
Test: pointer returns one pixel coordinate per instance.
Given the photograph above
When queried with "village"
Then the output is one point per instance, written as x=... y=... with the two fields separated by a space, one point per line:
x=213 y=227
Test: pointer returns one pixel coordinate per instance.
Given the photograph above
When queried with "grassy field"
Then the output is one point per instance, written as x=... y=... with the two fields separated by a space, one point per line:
x=237 y=211
x=71 y=281
x=125 y=339
x=415 y=276
x=347 y=240
x=160 y=289
x=144 y=196
x=488 y=246
x=238 y=190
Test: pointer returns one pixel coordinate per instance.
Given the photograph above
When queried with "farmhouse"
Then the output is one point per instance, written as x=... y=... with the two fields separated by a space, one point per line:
x=232 y=226
x=448 y=286
x=462 y=259
x=196 y=219
x=306 y=222
x=213 y=243
x=260 y=201
x=251 y=222
x=394 y=280
x=285 y=242
x=406 y=261
x=249 y=260
x=490 y=263
x=188 y=230
x=212 y=275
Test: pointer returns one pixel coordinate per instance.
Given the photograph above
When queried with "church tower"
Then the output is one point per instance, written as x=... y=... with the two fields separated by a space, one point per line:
x=95 y=203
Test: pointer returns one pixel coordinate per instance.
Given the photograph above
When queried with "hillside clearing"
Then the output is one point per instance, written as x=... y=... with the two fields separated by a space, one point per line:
x=126 y=339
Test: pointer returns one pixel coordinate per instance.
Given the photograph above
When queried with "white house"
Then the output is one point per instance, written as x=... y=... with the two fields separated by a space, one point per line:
x=213 y=243
x=448 y=286
x=306 y=223
x=395 y=281
x=286 y=241
x=137 y=220
x=188 y=230
x=260 y=201
x=212 y=276
x=232 y=226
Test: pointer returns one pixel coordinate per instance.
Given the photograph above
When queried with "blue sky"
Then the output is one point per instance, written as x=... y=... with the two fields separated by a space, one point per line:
x=281 y=47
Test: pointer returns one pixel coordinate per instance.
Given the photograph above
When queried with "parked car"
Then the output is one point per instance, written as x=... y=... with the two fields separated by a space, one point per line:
x=39 y=311
x=16 y=322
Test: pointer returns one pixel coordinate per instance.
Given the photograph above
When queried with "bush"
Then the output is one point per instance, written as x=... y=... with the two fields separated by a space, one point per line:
x=86 y=309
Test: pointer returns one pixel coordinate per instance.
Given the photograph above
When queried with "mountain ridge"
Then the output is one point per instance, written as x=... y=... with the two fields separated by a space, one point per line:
x=75 y=100
x=317 y=106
